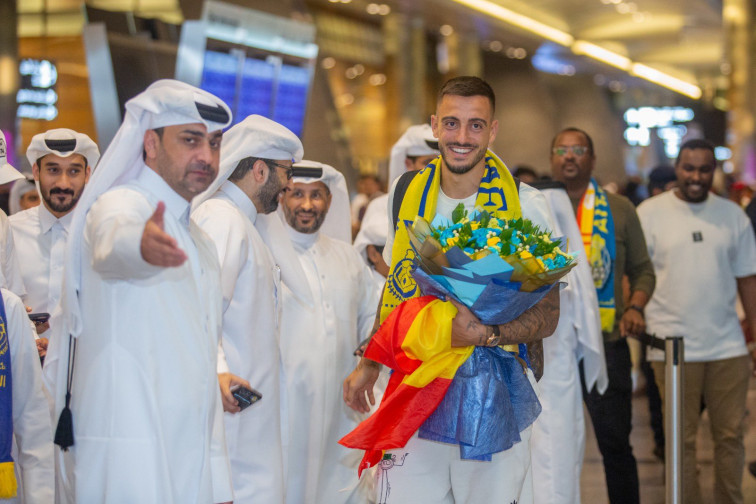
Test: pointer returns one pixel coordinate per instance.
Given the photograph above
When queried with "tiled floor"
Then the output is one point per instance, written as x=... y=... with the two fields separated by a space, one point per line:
x=651 y=470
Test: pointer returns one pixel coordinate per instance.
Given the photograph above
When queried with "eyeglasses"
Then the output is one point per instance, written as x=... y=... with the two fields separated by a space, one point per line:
x=577 y=150
x=289 y=169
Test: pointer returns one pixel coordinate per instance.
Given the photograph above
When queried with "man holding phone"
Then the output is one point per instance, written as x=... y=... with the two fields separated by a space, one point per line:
x=62 y=160
x=255 y=168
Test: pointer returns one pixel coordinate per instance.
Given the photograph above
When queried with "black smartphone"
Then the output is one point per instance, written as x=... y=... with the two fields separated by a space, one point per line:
x=39 y=318
x=246 y=396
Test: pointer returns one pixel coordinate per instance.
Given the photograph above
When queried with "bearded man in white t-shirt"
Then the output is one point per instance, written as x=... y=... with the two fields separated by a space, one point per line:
x=704 y=254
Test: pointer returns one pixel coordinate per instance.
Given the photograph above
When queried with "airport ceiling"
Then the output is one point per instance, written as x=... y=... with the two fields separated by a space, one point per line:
x=684 y=38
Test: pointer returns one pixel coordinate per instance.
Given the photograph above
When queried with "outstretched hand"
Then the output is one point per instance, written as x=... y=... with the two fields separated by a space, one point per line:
x=158 y=247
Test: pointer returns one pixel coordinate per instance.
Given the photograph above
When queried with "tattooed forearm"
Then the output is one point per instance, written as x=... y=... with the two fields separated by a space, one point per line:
x=535 y=354
x=537 y=323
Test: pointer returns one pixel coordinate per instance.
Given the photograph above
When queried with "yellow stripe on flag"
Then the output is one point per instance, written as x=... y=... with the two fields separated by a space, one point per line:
x=429 y=340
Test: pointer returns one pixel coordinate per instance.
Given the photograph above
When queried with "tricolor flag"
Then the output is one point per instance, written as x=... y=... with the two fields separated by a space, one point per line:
x=414 y=341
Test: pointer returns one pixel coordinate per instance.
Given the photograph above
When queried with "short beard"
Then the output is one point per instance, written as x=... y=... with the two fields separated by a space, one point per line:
x=61 y=208
x=460 y=170
x=291 y=218
x=267 y=195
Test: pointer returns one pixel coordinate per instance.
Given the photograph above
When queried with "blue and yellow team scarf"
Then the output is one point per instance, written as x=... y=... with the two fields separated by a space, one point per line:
x=8 y=485
x=497 y=194
x=597 y=229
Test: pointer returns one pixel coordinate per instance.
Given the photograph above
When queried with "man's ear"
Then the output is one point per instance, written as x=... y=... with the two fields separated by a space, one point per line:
x=87 y=173
x=151 y=140
x=260 y=172
x=35 y=171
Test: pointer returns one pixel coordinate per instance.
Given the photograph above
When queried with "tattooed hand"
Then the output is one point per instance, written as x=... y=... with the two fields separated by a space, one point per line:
x=467 y=329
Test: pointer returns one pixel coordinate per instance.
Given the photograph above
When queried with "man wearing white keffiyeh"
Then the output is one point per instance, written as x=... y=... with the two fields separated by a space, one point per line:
x=141 y=311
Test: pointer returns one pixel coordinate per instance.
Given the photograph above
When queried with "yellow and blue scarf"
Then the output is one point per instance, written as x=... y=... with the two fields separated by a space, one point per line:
x=497 y=194
x=597 y=229
x=8 y=486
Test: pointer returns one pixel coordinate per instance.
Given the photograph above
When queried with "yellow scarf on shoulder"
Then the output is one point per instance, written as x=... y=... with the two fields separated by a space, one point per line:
x=497 y=194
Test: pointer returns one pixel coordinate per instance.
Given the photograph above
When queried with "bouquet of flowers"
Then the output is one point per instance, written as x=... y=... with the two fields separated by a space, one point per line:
x=498 y=268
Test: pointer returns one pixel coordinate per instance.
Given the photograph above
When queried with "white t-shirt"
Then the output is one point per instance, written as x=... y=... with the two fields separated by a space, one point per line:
x=532 y=203
x=698 y=251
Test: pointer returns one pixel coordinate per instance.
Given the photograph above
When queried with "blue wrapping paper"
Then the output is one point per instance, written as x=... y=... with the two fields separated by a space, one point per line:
x=499 y=303
x=489 y=402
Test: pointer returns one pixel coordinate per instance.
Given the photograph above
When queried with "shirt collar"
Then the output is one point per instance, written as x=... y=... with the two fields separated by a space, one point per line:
x=241 y=199
x=47 y=220
x=303 y=240
x=177 y=206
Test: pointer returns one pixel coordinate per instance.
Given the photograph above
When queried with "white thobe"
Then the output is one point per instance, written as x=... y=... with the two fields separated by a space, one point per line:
x=317 y=345
x=558 y=439
x=147 y=410
x=250 y=282
x=11 y=273
x=40 y=239
x=33 y=447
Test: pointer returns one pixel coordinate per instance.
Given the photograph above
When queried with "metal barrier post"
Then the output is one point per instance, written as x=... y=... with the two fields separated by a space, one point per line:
x=673 y=418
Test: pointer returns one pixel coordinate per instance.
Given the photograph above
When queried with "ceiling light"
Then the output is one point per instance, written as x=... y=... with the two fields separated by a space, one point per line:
x=524 y=22
x=328 y=63
x=495 y=46
x=446 y=30
x=601 y=54
x=372 y=8
x=384 y=10
x=666 y=80
x=623 y=8
x=378 y=79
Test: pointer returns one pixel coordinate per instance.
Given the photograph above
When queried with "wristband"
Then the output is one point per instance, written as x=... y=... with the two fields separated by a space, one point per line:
x=636 y=308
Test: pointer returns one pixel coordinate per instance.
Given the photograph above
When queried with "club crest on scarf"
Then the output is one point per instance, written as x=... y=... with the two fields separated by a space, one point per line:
x=401 y=283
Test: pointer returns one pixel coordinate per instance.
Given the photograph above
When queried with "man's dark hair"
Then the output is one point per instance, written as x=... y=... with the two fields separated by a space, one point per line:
x=575 y=130
x=245 y=165
x=659 y=177
x=521 y=170
x=696 y=143
x=468 y=85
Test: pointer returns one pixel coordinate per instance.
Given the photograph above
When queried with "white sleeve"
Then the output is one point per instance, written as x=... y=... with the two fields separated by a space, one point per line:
x=11 y=271
x=745 y=259
x=113 y=229
x=646 y=220
x=368 y=300
x=220 y=467
x=535 y=207
x=31 y=414
x=229 y=238
x=390 y=234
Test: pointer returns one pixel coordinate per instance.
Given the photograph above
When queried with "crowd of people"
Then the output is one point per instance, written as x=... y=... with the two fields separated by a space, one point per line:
x=203 y=300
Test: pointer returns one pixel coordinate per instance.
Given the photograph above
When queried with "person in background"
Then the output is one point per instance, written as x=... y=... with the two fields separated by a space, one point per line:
x=369 y=187
x=704 y=253
x=318 y=340
x=23 y=195
x=10 y=273
x=62 y=160
x=256 y=160
x=614 y=245
x=27 y=469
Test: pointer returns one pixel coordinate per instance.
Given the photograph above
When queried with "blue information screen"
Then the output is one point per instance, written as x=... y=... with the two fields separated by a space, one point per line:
x=257 y=86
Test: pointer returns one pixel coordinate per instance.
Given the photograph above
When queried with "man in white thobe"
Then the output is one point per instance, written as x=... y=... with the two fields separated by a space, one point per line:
x=318 y=341
x=415 y=148
x=142 y=309
x=558 y=440
x=11 y=275
x=61 y=160
x=255 y=165
x=33 y=447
